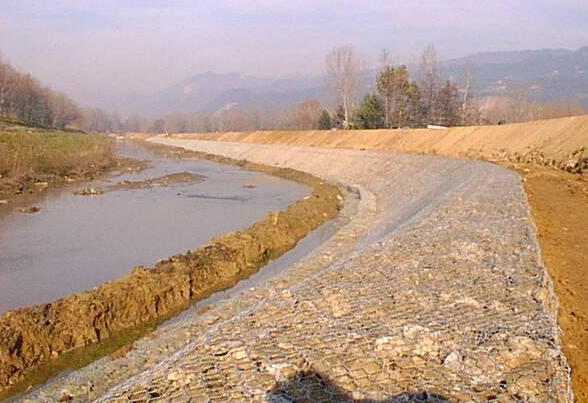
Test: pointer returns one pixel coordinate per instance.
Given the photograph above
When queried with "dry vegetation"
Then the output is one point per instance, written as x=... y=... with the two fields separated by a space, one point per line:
x=29 y=155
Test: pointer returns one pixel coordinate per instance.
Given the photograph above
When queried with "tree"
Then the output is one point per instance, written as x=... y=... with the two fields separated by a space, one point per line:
x=64 y=111
x=23 y=98
x=466 y=107
x=429 y=82
x=415 y=109
x=158 y=126
x=393 y=86
x=449 y=106
x=325 y=122
x=338 y=117
x=307 y=114
x=343 y=67
x=370 y=114
x=386 y=87
x=5 y=76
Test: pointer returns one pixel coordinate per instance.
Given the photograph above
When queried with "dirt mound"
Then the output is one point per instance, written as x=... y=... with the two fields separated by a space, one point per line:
x=31 y=336
x=557 y=142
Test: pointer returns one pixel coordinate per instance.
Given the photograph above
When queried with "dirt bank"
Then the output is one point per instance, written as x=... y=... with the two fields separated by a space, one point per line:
x=32 y=336
x=558 y=200
x=555 y=142
x=559 y=204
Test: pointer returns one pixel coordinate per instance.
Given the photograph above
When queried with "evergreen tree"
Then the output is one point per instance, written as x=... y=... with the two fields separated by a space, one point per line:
x=393 y=85
x=370 y=114
x=449 y=105
x=325 y=121
x=338 y=117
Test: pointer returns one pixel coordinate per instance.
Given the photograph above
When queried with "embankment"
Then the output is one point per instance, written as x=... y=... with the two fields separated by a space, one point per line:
x=31 y=336
x=556 y=142
x=558 y=199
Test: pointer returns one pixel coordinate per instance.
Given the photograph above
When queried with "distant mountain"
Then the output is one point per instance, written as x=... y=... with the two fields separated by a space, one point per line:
x=545 y=74
x=507 y=57
x=210 y=92
x=266 y=100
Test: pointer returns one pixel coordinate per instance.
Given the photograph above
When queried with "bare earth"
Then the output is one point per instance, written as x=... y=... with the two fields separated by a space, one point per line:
x=433 y=292
x=559 y=203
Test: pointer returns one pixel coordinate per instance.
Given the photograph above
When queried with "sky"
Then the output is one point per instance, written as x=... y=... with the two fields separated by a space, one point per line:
x=98 y=49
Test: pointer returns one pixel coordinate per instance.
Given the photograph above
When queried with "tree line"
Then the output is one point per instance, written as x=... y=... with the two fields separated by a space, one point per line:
x=397 y=100
x=23 y=98
x=390 y=97
x=392 y=100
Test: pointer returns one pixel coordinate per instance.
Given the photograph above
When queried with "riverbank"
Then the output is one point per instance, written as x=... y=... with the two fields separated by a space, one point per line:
x=33 y=160
x=544 y=153
x=32 y=336
x=435 y=287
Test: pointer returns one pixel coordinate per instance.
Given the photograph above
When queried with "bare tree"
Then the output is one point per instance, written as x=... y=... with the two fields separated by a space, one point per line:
x=385 y=59
x=307 y=114
x=343 y=67
x=430 y=81
x=470 y=112
x=467 y=87
x=4 y=87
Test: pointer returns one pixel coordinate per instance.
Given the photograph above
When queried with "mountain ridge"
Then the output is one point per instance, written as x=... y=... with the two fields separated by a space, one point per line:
x=543 y=74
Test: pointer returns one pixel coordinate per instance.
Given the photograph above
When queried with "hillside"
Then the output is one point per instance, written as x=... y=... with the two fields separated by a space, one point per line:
x=209 y=92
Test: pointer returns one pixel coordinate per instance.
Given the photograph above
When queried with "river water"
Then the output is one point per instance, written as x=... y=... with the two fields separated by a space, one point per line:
x=78 y=242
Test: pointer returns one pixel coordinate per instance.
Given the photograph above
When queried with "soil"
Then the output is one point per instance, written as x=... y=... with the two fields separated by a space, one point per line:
x=163 y=181
x=30 y=337
x=559 y=205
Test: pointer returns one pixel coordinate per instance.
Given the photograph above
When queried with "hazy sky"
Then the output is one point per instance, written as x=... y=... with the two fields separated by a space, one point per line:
x=93 y=47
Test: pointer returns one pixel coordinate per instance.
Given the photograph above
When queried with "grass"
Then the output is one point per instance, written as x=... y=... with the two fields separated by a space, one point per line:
x=28 y=151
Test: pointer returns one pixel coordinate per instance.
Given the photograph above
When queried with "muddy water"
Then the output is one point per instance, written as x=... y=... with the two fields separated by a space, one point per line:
x=77 y=242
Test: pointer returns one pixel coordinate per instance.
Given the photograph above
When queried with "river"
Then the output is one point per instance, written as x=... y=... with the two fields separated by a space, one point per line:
x=78 y=242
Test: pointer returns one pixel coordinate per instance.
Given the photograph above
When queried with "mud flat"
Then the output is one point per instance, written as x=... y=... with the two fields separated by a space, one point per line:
x=434 y=291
